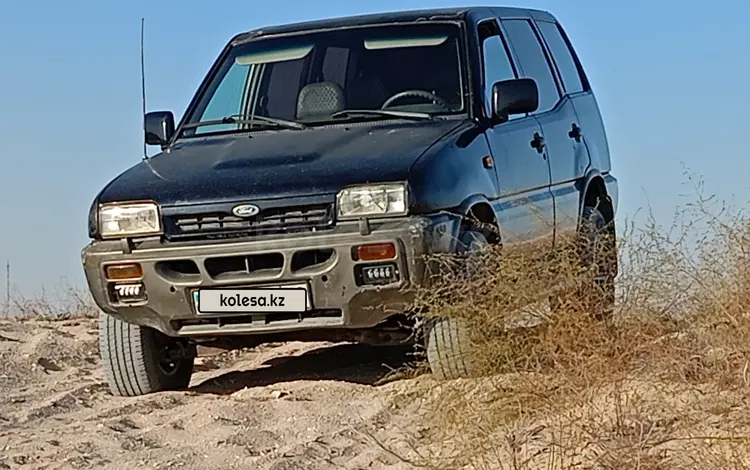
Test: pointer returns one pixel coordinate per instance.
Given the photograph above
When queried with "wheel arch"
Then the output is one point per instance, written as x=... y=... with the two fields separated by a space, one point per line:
x=594 y=193
x=477 y=208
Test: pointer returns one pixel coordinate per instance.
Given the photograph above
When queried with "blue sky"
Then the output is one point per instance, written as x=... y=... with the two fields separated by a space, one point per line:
x=671 y=78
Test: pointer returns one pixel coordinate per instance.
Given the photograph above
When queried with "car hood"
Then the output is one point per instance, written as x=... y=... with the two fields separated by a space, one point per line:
x=277 y=164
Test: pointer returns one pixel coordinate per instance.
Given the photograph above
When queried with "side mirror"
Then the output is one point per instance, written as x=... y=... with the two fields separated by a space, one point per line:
x=515 y=96
x=159 y=127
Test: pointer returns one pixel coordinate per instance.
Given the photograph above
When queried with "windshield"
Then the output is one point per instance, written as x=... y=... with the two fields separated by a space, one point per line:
x=312 y=77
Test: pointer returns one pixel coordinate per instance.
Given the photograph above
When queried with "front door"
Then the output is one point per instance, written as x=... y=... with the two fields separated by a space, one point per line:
x=525 y=207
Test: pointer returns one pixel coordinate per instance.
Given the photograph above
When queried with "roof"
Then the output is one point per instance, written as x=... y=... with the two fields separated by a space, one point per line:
x=407 y=16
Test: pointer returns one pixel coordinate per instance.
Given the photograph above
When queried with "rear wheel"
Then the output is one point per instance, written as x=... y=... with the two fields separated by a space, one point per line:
x=447 y=339
x=138 y=360
x=597 y=253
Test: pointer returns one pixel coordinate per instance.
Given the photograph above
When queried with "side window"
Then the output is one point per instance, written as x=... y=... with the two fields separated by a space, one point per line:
x=562 y=56
x=532 y=61
x=496 y=63
x=282 y=85
x=227 y=99
x=335 y=65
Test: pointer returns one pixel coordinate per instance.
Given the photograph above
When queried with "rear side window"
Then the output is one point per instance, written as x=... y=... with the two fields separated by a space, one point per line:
x=532 y=62
x=562 y=56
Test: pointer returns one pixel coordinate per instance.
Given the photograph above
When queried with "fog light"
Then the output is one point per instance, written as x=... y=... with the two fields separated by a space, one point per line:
x=129 y=293
x=123 y=272
x=374 y=252
x=378 y=274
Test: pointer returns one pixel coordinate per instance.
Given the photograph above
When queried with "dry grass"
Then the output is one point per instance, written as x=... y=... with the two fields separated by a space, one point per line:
x=61 y=303
x=663 y=384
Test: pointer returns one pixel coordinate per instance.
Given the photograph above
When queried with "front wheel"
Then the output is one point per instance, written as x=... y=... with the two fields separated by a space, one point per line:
x=447 y=339
x=138 y=360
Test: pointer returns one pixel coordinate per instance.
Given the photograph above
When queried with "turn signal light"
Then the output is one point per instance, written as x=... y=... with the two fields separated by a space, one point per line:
x=123 y=272
x=375 y=252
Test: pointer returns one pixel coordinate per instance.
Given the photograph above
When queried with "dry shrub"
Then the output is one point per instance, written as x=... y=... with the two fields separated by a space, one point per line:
x=662 y=384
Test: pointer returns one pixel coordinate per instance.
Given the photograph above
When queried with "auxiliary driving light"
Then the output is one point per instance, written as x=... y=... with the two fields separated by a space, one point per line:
x=129 y=293
x=378 y=274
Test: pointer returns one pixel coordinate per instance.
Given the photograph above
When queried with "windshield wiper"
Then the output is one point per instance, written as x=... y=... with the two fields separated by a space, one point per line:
x=383 y=113
x=255 y=120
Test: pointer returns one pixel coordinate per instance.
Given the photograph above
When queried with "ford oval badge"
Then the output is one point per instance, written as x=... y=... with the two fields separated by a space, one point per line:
x=245 y=210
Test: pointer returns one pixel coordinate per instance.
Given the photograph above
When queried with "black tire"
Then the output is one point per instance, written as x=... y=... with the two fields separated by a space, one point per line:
x=447 y=339
x=135 y=361
x=598 y=252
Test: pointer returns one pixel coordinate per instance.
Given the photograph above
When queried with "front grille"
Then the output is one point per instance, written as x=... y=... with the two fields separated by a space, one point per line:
x=218 y=225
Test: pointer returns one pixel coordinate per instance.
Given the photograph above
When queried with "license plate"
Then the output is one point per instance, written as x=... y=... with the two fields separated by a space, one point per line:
x=267 y=299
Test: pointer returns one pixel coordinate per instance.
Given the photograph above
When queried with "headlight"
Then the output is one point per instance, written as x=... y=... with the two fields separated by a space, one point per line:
x=128 y=219
x=372 y=200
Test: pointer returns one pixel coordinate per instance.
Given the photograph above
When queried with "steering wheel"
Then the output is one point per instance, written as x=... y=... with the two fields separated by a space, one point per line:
x=426 y=95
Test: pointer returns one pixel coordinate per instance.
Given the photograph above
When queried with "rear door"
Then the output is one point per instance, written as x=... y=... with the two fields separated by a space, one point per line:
x=565 y=152
x=589 y=140
x=525 y=205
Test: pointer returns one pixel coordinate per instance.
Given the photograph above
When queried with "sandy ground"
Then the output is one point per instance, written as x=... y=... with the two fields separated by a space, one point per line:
x=281 y=407
x=321 y=406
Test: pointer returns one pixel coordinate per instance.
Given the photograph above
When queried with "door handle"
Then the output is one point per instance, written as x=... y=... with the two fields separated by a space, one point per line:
x=537 y=142
x=575 y=132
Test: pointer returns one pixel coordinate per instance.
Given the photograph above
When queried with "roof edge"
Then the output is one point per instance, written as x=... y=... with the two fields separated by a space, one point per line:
x=395 y=16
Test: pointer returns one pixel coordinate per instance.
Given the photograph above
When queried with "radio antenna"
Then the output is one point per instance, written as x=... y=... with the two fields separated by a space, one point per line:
x=143 y=110
x=143 y=93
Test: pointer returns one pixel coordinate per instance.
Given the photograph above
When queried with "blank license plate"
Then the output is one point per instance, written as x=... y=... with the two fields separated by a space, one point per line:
x=288 y=299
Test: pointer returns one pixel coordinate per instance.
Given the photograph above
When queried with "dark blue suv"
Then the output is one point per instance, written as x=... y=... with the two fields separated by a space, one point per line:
x=316 y=166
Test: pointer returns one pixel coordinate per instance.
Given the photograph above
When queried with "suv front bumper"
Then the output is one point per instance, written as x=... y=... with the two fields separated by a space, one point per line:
x=172 y=272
